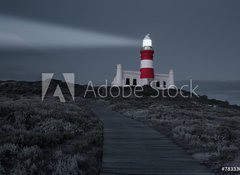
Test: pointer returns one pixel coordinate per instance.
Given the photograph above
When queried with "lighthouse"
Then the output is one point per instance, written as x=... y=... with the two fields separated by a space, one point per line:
x=146 y=75
x=146 y=68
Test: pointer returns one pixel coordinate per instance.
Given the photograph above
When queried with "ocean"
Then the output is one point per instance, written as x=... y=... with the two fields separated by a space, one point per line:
x=220 y=90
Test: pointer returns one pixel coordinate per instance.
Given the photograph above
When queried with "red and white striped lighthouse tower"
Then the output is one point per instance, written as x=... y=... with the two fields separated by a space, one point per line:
x=146 y=69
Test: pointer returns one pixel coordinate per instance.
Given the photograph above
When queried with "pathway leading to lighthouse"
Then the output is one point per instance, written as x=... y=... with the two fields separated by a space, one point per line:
x=131 y=147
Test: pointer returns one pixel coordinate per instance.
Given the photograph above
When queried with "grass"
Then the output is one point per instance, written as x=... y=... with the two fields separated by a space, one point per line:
x=48 y=137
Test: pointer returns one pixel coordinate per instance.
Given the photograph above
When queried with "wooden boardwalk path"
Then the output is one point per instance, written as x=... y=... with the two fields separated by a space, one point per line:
x=131 y=147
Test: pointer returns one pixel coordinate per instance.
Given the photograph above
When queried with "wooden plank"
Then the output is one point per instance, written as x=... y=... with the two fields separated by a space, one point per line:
x=130 y=147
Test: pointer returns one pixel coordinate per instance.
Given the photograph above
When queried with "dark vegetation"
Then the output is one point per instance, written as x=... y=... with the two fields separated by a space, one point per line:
x=207 y=129
x=57 y=138
x=46 y=137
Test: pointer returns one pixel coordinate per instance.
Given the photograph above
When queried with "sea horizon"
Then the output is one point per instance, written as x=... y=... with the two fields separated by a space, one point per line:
x=224 y=90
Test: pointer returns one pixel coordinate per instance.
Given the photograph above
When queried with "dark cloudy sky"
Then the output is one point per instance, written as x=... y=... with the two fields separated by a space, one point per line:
x=197 y=39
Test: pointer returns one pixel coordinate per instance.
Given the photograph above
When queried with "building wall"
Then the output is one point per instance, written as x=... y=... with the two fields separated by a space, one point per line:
x=164 y=79
x=131 y=75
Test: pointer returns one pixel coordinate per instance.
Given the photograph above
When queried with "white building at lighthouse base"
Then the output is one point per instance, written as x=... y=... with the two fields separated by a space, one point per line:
x=132 y=78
